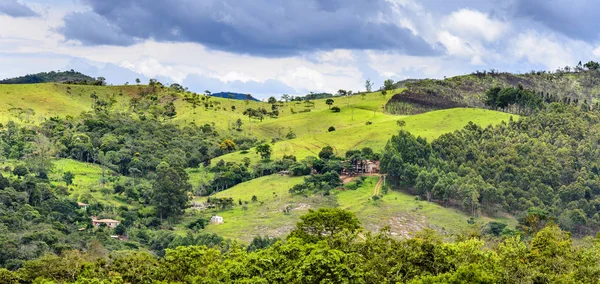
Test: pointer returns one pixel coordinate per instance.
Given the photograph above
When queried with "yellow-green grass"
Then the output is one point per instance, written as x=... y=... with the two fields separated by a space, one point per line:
x=50 y=99
x=53 y=99
x=355 y=110
x=266 y=216
x=86 y=183
x=402 y=212
x=428 y=125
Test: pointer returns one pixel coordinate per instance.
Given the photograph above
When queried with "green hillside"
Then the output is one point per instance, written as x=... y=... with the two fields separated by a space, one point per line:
x=402 y=212
x=357 y=135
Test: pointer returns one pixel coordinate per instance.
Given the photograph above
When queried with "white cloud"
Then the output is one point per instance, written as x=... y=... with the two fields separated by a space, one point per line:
x=542 y=49
x=474 y=25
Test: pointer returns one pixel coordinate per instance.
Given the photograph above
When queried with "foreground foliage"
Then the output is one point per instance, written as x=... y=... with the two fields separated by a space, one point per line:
x=328 y=246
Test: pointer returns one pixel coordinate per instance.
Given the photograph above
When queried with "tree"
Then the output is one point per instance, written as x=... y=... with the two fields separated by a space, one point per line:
x=285 y=97
x=383 y=92
x=21 y=171
x=388 y=85
x=39 y=160
x=324 y=223
x=329 y=102
x=326 y=153
x=68 y=178
x=335 y=109
x=227 y=145
x=592 y=65
x=137 y=81
x=264 y=151
x=272 y=100
x=369 y=85
x=401 y=123
x=238 y=124
x=169 y=191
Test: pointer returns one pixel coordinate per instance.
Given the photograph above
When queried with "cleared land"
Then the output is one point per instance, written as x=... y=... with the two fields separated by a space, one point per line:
x=402 y=212
x=428 y=125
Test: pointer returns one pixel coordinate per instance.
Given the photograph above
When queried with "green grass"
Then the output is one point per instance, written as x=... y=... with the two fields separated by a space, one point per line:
x=402 y=212
x=50 y=99
x=266 y=216
x=86 y=183
x=428 y=125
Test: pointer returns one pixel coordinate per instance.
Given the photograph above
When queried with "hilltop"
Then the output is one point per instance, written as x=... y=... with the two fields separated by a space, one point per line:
x=468 y=90
x=70 y=76
x=234 y=96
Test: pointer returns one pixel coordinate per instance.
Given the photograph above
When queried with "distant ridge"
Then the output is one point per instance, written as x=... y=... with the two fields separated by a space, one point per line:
x=235 y=96
x=70 y=76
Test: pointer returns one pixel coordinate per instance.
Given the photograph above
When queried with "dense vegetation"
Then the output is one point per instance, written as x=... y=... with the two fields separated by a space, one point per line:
x=69 y=77
x=546 y=163
x=328 y=246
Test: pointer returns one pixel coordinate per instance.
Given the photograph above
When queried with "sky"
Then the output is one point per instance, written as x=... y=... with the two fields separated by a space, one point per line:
x=274 y=47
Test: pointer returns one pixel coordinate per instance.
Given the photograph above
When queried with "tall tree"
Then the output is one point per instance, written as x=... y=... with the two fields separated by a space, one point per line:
x=369 y=85
x=169 y=191
x=329 y=102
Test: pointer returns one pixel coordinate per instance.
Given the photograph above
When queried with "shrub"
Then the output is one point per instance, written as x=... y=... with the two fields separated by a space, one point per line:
x=331 y=128
x=335 y=109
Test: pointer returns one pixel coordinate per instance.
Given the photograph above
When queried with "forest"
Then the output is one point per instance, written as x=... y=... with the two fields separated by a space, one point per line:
x=544 y=164
x=330 y=246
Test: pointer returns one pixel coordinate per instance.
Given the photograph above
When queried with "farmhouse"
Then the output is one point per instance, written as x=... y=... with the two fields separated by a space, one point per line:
x=108 y=222
x=363 y=167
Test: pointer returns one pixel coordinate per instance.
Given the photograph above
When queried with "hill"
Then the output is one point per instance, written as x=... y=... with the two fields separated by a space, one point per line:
x=268 y=215
x=234 y=96
x=70 y=76
x=468 y=90
x=355 y=134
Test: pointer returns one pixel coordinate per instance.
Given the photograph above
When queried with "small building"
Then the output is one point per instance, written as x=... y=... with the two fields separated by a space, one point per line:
x=82 y=205
x=363 y=167
x=216 y=220
x=108 y=222
x=284 y=173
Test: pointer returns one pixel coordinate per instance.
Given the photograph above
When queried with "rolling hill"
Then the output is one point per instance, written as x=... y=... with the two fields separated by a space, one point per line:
x=468 y=90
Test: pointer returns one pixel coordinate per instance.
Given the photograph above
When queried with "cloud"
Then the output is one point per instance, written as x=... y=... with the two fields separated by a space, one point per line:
x=575 y=19
x=474 y=24
x=542 y=49
x=91 y=28
x=258 y=27
x=15 y=9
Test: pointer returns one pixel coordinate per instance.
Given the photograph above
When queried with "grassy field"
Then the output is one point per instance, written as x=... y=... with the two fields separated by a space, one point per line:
x=50 y=99
x=428 y=125
x=265 y=216
x=402 y=212
x=86 y=185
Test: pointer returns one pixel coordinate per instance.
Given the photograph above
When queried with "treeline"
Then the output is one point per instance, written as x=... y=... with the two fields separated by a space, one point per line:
x=329 y=246
x=68 y=77
x=547 y=161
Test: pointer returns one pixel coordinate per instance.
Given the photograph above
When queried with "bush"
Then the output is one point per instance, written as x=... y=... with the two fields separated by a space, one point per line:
x=335 y=109
x=21 y=171
x=331 y=128
x=368 y=122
